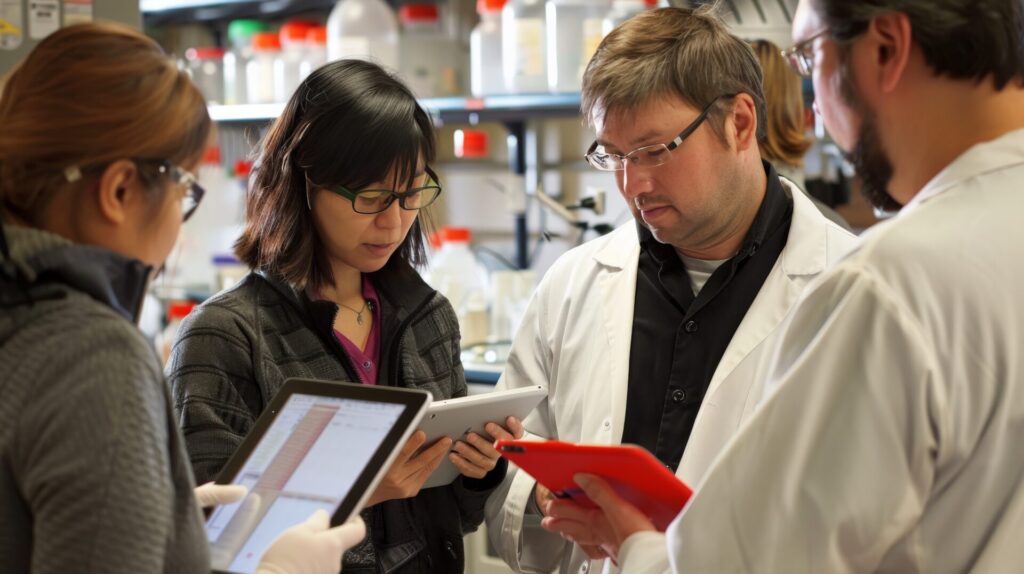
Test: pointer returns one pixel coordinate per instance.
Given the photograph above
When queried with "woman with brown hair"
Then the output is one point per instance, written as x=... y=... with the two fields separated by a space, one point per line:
x=785 y=141
x=332 y=235
x=100 y=135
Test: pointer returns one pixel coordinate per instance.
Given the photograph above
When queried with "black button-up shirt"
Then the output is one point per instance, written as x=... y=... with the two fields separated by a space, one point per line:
x=678 y=338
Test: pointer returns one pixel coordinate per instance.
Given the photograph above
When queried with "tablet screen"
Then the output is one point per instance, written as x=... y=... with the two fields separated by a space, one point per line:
x=308 y=459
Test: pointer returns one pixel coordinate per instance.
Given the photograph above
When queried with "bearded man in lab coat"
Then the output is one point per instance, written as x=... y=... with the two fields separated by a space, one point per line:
x=890 y=440
x=652 y=335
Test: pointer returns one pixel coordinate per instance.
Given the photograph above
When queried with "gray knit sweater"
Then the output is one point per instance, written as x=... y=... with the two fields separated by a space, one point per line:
x=93 y=472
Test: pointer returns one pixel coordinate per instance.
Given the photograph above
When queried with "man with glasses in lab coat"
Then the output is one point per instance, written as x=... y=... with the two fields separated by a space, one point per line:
x=652 y=334
x=890 y=436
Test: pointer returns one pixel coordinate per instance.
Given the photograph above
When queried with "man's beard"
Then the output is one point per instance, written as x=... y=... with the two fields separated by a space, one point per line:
x=867 y=156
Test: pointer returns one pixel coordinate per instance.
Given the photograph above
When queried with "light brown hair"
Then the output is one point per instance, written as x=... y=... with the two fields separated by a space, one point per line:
x=86 y=96
x=671 y=52
x=785 y=140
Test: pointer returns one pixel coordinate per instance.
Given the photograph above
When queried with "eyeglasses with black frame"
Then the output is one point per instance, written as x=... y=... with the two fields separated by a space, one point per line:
x=370 y=201
x=649 y=155
x=193 y=191
x=800 y=57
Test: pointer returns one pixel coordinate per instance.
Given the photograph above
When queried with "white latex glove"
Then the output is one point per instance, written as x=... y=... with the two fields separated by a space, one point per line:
x=312 y=547
x=211 y=494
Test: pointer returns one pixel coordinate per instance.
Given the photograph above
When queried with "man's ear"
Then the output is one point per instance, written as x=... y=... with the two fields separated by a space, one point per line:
x=891 y=42
x=119 y=188
x=744 y=121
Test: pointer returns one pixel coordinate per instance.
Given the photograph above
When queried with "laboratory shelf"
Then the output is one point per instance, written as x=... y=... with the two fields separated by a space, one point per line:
x=445 y=110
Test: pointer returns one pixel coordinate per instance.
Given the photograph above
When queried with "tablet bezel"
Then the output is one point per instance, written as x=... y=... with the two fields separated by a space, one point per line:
x=470 y=414
x=415 y=404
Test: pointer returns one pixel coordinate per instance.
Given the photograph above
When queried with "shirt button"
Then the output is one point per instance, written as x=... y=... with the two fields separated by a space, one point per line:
x=691 y=327
x=678 y=396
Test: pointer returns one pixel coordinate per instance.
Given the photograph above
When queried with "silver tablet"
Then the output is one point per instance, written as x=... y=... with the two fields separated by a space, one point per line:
x=456 y=418
x=317 y=445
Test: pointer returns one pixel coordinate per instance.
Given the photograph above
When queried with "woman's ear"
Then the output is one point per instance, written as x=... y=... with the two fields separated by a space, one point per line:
x=119 y=190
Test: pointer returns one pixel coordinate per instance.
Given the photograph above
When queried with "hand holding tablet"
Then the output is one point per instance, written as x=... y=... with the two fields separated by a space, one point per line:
x=318 y=446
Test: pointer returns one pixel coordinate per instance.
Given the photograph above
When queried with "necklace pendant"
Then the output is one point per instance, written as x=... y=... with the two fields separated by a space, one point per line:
x=359 y=318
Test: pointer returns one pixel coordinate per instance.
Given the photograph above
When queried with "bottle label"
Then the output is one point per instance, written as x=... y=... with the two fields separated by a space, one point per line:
x=530 y=47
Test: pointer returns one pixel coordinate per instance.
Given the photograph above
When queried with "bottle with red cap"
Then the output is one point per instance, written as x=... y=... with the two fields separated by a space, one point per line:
x=259 y=71
x=293 y=51
x=486 y=76
x=206 y=66
x=457 y=274
x=426 y=56
x=316 y=51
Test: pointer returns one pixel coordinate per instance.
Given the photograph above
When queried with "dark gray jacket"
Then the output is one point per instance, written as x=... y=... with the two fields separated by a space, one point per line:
x=93 y=473
x=235 y=351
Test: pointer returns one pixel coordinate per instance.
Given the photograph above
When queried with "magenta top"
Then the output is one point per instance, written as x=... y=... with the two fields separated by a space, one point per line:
x=365 y=360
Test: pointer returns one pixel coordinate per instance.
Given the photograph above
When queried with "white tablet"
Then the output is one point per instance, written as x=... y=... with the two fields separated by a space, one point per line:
x=456 y=418
x=318 y=445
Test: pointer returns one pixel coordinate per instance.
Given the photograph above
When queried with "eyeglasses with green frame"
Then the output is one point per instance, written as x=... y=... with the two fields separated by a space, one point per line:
x=370 y=201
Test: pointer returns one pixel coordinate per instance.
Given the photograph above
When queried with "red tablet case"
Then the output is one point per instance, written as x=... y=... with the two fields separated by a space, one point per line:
x=634 y=472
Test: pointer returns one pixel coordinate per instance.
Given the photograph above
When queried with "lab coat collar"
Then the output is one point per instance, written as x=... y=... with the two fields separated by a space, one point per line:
x=805 y=252
x=1005 y=151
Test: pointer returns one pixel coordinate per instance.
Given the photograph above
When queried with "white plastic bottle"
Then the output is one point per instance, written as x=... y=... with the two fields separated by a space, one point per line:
x=240 y=33
x=366 y=29
x=486 y=75
x=523 y=46
x=570 y=26
x=426 y=56
x=259 y=71
x=293 y=52
x=457 y=274
x=623 y=10
x=316 y=51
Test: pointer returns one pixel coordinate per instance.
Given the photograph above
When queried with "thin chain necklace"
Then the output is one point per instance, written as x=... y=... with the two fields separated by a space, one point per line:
x=359 y=312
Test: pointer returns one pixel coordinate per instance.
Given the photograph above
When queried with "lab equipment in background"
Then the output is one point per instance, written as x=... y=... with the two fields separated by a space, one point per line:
x=523 y=46
x=240 y=33
x=259 y=71
x=206 y=66
x=364 y=29
x=316 y=51
x=427 y=58
x=486 y=75
x=457 y=274
x=287 y=73
x=572 y=27
x=176 y=313
x=623 y=10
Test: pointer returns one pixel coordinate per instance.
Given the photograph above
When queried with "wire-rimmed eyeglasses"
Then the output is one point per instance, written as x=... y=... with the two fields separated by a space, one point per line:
x=800 y=57
x=649 y=155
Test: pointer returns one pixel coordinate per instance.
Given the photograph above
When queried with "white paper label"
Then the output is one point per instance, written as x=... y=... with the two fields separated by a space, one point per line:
x=43 y=18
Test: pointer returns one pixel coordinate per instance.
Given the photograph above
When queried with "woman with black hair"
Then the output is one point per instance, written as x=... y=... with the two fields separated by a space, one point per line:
x=332 y=235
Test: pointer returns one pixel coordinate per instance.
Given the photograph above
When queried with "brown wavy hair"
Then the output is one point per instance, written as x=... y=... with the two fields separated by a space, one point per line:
x=86 y=96
x=785 y=140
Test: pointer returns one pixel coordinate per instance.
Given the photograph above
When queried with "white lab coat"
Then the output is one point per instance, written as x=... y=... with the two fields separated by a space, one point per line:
x=890 y=440
x=575 y=339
